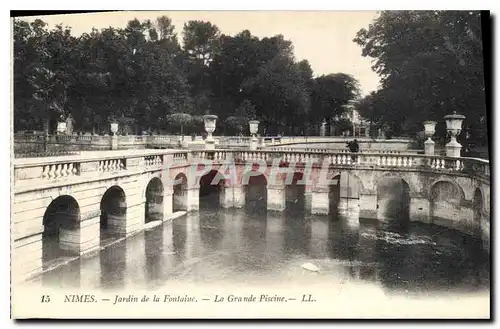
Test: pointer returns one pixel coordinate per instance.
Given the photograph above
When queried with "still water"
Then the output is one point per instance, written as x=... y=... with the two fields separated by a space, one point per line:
x=245 y=247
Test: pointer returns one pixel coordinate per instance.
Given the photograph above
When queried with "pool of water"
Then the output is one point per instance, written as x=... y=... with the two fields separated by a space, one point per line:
x=248 y=248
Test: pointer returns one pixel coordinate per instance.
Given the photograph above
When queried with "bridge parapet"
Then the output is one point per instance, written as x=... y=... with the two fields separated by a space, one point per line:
x=38 y=172
x=402 y=161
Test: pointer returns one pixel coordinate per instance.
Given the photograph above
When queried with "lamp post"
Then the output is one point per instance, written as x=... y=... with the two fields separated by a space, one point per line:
x=454 y=127
x=114 y=137
x=430 y=130
x=209 y=121
x=254 y=127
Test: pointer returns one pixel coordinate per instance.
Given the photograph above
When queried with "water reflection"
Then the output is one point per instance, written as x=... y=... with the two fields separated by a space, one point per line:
x=297 y=232
x=179 y=235
x=113 y=263
x=239 y=245
x=154 y=253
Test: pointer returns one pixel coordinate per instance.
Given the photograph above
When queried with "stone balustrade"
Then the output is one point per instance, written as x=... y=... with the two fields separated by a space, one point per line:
x=54 y=169
x=27 y=145
x=112 y=165
x=372 y=160
x=33 y=172
x=153 y=161
x=180 y=157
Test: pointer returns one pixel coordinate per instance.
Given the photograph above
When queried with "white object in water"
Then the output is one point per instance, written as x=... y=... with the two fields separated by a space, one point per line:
x=310 y=267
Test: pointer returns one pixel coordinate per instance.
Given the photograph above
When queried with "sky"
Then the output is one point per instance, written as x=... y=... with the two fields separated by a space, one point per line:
x=324 y=38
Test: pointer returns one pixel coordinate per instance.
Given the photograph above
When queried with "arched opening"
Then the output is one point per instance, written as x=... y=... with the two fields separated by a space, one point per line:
x=477 y=205
x=445 y=200
x=334 y=195
x=211 y=187
x=179 y=199
x=256 y=194
x=154 y=201
x=60 y=226
x=295 y=194
x=350 y=189
x=113 y=213
x=393 y=199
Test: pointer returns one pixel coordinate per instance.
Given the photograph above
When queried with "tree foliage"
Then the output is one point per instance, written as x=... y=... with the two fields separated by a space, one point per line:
x=142 y=75
x=430 y=64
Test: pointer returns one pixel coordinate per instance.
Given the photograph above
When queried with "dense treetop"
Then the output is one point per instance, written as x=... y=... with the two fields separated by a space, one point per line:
x=142 y=72
x=431 y=64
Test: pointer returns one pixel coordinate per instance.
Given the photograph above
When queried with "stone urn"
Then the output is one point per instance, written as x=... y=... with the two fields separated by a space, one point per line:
x=61 y=127
x=114 y=127
x=254 y=128
x=429 y=130
x=454 y=127
x=209 y=121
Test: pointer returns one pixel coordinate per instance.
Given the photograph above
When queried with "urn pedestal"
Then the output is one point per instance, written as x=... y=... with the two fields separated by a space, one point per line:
x=454 y=127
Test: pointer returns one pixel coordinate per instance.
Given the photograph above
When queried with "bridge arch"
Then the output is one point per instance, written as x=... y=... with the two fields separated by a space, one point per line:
x=445 y=197
x=295 y=192
x=407 y=179
x=211 y=189
x=478 y=205
x=179 y=197
x=113 y=212
x=153 y=209
x=393 y=199
x=61 y=223
x=255 y=190
x=334 y=193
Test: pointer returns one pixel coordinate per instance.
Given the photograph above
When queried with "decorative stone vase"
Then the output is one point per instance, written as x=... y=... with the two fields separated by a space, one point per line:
x=454 y=127
x=429 y=130
x=254 y=127
x=209 y=121
x=61 y=127
x=114 y=127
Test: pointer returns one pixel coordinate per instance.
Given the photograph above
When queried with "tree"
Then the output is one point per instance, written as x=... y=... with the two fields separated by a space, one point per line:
x=431 y=64
x=331 y=94
x=180 y=119
x=244 y=113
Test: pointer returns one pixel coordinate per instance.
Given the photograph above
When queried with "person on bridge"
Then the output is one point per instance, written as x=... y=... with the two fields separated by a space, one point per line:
x=353 y=148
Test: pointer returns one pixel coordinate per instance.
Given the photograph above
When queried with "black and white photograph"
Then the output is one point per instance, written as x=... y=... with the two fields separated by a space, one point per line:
x=251 y=164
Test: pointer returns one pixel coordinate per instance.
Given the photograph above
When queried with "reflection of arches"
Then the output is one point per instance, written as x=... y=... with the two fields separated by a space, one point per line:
x=445 y=199
x=393 y=199
x=154 y=200
x=211 y=188
x=60 y=223
x=153 y=249
x=211 y=230
x=113 y=212
x=334 y=195
x=179 y=236
x=113 y=262
x=295 y=193
x=297 y=234
x=179 y=199
x=256 y=194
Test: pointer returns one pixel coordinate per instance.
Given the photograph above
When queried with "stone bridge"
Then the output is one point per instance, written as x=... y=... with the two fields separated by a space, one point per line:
x=74 y=205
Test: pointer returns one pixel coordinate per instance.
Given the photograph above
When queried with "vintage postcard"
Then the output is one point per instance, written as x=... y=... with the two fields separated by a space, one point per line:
x=250 y=164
